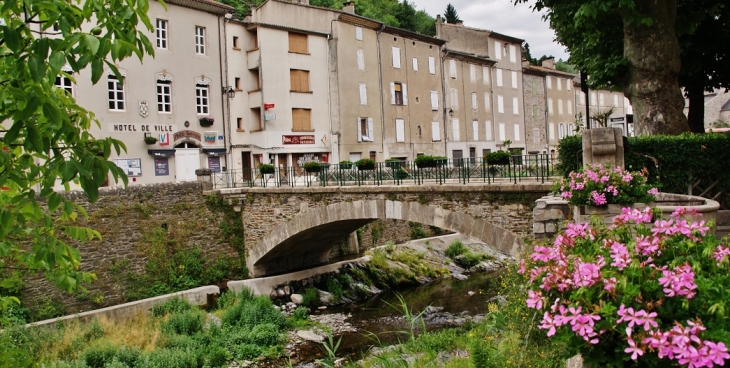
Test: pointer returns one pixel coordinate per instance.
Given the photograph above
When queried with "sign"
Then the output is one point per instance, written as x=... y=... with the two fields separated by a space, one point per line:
x=269 y=117
x=209 y=138
x=162 y=168
x=613 y=120
x=297 y=139
x=132 y=128
x=268 y=106
x=186 y=134
x=214 y=164
x=144 y=109
x=164 y=139
x=131 y=166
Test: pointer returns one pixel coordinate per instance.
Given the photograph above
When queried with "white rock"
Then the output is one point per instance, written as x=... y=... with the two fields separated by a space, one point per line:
x=297 y=298
x=310 y=336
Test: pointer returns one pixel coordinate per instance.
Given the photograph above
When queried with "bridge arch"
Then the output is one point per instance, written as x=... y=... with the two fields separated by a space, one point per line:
x=305 y=240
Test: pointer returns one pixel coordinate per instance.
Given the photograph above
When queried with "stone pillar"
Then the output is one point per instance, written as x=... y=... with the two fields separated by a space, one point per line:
x=548 y=216
x=205 y=178
x=353 y=246
x=603 y=146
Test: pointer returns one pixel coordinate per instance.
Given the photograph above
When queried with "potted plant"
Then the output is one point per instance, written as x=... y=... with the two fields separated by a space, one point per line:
x=267 y=169
x=393 y=163
x=498 y=158
x=206 y=121
x=441 y=160
x=150 y=139
x=365 y=164
x=312 y=166
x=401 y=173
x=345 y=165
x=425 y=161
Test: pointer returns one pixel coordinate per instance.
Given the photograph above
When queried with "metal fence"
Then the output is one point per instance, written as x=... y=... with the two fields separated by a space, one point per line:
x=533 y=168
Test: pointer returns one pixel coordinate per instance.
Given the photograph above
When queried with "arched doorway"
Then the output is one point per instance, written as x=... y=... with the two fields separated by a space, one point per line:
x=187 y=160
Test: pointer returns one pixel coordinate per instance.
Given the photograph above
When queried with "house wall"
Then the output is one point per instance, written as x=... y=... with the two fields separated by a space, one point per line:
x=536 y=131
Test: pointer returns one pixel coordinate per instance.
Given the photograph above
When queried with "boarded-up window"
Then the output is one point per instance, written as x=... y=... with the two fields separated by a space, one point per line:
x=434 y=100
x=298 y=43
x=475 y=130
x=431 y=65
x=396 y=57
x=400 y=130
x=301 y=120
x=299 y=80
x=360 y=59
x=363 y=94
x=435 y=132
x=455 y=136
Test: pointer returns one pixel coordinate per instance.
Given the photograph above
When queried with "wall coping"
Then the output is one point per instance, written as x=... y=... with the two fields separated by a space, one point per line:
x=463 y=188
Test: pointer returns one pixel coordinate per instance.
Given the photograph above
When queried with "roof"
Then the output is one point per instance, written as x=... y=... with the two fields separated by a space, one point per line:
x=413 y=35
x=551 y=71
x=504 y=37
x=533 y=71
x=469 y=57
x=209 y=6
x=284 y=28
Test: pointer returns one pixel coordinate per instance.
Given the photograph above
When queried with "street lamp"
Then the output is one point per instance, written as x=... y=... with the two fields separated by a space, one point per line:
x=451 y=113
x=229 y=91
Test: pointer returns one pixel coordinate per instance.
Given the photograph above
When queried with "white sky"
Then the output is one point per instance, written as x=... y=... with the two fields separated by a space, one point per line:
x=504 y=17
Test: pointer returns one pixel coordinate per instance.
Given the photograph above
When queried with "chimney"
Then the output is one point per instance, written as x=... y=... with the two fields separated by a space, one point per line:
x=438 y=18
x=348 y=7
x=525 y=63
x=549 y=63
x=460 y=23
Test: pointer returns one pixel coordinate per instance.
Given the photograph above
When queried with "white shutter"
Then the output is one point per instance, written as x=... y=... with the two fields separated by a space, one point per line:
x=434 y=100
x=561 y=131
x=452 y=68
x=485 y=74
x=568 y=82
x=549 y=82
x=473 y=73
x=514 y=79
x=475 y=129
x=488 y=129
x=550 y=105
x=435 y=133
x=570 y=108
x=405 y=94
x=363 y=94
x=498 y=50
x=501 y=132
x=400 y=130
x=601 y=102
x=455 y=130
x=358 y=33
x=474 y=104
x=515 y=105
x=551 y=130
x=431 y=65
x=360 y=59
x=593 y=98
x=392 y=93
x=396 y=57
x=499 y=77
x=560 y=106
x=371 y=133
x=415 y=64
x=517 y=132
x=454 y=98
x=559 y=83
x=512 y=53
x=486 y=101
x=359 y=131
x=500 y=104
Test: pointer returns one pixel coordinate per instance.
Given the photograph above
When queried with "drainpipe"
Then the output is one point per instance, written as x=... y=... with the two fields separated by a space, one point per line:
x=330 y=37
x=382 y=103
x=225 y=101
x=547 y=122
x=443 y=95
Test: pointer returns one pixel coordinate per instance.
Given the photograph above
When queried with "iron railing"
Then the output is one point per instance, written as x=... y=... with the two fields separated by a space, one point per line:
x=533 y=168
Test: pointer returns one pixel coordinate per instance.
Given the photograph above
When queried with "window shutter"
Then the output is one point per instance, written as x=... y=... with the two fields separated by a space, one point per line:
x=415 y=64
x=363 y=94
x=431 y=65
x=517 y=132
x=400 y=130
x=435 y=133
x=358 y=33
x=488 y=129
x=475 y=129
x=560 y=106
x=371 y=134
x=294 y=80
x=455 y=130
x=512 y=53
x=434 y=101
x=473 y=73
x=295 y=119
x=500 y=104
x=474 y=104
x=559 y=83
x=396 y=57
x=501 y=132
x=570 y=108
x=514 y=79
x=359 y=130
x=392 y=93
x=452 y=68
x=550 y=105
x=307 y=120
x=515 y=105
x=498 y=50
x=499 y=77
x=485 y=74
x=486 y=101
x=405 y=94
x=551 y=130
x=360 y=59
x=304 y=80
x=549 y=82
x=568 y=82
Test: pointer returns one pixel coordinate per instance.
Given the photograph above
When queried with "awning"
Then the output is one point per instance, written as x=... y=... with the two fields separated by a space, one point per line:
x=161 y=153
x=214 y=151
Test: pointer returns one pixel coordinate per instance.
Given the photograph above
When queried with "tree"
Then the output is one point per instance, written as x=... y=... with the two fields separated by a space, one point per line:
x=628 y=45
x=45 y=135
x=406 y=16
x=450 y=14
x=526 y=55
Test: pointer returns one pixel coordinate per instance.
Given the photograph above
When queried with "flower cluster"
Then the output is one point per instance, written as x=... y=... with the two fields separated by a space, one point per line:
x=635 y=283
x=599 y=186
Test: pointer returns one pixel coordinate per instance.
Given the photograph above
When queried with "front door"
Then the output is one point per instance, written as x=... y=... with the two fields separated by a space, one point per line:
x=187 y=160
x=246 y=159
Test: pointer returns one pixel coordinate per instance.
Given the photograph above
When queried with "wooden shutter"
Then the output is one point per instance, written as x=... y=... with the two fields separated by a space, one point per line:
x=296 y=120
x=515 y=105
x=400 y=130
x=475 y=129
x=517 y=132
x=359 y=130
x=405 y=94
x=486 y=101
x=501 y=132
x=392 y=93
x=435 y=132
x=434 y=100
x=363 y=94
x=306 y=119
x=488 y=129
x=298 y=43
x=360 y=59
x=452 y=69
x=432 y=65
x=371 y=132
x=415 y=64
x=304 y=80
x=474 y=103
x=499 y=77
x=294 y=79
x=396 y=57
x=455 y=130
x=514 y=79
x=485 y=74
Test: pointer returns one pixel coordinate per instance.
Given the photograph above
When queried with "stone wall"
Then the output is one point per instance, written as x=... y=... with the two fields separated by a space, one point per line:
x=123 y=217
x=549 y=215
x=534 y=95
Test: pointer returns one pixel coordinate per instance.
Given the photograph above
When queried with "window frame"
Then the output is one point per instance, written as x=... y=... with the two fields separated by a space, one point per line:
x=202 y=99
x=200 y=38
x=162 y=33
x=119 y=88
x=60 y=83
x=164 y=85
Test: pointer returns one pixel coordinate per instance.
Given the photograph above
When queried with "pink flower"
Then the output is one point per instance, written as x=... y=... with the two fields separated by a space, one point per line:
x=653 y=191
x=534 y=299
x=599 y=199
x=548 y=323
x=638 y=318
x=521 y=271
x=721 y=253
x=679 y=282
x=619 y=254
x=585 y=274
x=633 y=350
x=609 y=284
x=647 y=245
x=627 y=177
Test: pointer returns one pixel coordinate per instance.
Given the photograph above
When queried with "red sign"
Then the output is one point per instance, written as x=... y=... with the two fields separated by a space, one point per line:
x=297 y=139
x=268 y=106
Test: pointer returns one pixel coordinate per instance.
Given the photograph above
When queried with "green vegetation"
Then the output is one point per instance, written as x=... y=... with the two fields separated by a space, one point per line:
x=463 y=256
x=392 y=266
x=456 y=248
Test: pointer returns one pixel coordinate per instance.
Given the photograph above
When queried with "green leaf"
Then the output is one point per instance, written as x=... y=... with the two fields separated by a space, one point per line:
x=35 y=139
x=12 y=38
x=54 y=201
x=7 y=219
x=37 y=68
x=97 y=69
x=51 y=113
x=92 y=43
x=57 y=61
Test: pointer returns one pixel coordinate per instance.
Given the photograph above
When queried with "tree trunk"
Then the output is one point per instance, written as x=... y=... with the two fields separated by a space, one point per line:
x=654 y=61
x=696 y=115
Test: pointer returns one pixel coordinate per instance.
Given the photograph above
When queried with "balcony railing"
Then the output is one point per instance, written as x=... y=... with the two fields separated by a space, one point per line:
x=533 y=168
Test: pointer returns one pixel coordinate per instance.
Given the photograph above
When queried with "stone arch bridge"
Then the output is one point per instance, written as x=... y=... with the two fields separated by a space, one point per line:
x=289 y=229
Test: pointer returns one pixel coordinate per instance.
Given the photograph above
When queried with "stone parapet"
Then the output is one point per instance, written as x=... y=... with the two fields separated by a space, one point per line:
x=549 y=216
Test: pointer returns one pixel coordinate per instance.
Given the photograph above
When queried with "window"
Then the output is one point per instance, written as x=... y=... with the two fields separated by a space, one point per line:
x=355 y=156
x=398 y=94
x=431 y=65
x=199 y=40
x=236 y=46
x=501 y=132
x=536 y=136
x=434 y=100
x=561 y=131
x=515 y=106
x=486 y=101
x=298 y=43
x=363 y=94
x=256 y=119
x=161 y=33
x=534 y=88
x=299 y=80
x=360 y=59
x=499 y=77
x=498 y=50
x=560 y=106
x=473 y=73
x=593 y=98
x=116 y=93
x=512 y=53
x=454 y=98
x=488 y=129
x=164 y=96
x=435 y=132
x=365 y=130
x=485 y=75
x=570 y=108
x=474 y=104
x=64 y=82
x=601 y=102
x=549 y=82
x=358 y=33
x=568 y=82
x=517 y=132
x=396 y=57
x=56 y=28
x=475 y=130
x=400 y=130
x=455 y=130
x=239 y=124
x=452 y=69
x=551 y=130
x=415 y=64
x=500 y=104
x=237 y=83
x=514 y=79
x=201 y=99
x=301 y=120
x=559 y=83
x=550 y=106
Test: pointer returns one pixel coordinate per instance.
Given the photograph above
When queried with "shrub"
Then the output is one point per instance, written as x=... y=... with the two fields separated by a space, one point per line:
x=469 y=259
x=247 y=351
x=185 y=323
x=172 y=358
x=334 y=288
x=217 y=357
x=300 y=314
x=267 y=169
x=310 y=296
x=266 y=334
x=425 y=161
x=99 y=356
x=480 y=353
x=95 y=331
x=251 y=312
x=345 y=164
x=312 y=166
x=365 y=164
x=150 y=140
x=498 y=158
x=455 y=248
x=174 y=305
x=600 y=186
x=393 y=163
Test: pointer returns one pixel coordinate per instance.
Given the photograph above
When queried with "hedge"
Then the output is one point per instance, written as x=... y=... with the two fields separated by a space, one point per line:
x=680 y=160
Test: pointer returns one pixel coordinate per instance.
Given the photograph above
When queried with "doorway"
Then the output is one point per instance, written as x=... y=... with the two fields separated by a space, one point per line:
x=187 y=160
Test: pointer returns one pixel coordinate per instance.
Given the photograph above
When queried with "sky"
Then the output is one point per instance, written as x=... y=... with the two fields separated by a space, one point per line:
x=504 y=17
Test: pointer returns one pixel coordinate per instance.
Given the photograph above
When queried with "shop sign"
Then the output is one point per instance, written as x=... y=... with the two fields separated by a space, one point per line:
x=297 y=139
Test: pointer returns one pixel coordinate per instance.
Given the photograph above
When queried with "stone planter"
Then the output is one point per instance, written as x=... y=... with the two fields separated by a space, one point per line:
x=583 y=214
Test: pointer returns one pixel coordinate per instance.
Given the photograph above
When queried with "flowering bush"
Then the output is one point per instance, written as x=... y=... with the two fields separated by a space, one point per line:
x=652 y=294
x=601 y=185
